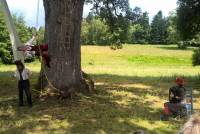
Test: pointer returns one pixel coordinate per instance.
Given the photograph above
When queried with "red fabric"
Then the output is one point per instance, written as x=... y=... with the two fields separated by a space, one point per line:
x=43 y=47
x=46 y=57
x=44 y=52
x=179 y=81
x=166 y=110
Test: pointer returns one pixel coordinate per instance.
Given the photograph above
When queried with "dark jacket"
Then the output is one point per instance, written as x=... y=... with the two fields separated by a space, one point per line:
x=176 y=94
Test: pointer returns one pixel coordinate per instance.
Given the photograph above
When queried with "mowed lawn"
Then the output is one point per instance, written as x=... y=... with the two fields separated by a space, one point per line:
x=131 y=86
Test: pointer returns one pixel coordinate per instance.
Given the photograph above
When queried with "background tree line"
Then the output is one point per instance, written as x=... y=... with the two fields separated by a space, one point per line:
x=106 y=26
x=133 y=28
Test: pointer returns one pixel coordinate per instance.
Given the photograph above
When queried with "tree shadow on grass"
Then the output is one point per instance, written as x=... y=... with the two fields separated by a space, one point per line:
x=120 y=104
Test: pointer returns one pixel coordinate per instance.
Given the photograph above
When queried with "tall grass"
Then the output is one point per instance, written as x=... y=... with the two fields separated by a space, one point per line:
x=131 y=87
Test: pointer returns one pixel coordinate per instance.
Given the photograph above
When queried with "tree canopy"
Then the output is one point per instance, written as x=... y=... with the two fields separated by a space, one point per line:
x=188 y=18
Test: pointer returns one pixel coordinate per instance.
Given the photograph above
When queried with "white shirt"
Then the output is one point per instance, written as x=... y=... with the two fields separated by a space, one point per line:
x=26 y=73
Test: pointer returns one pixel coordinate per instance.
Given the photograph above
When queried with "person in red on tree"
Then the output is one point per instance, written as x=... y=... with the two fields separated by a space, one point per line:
x=39 y=50
x=42 y=50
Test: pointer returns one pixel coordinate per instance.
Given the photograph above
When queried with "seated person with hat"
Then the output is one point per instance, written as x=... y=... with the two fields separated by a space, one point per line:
x=176 y=105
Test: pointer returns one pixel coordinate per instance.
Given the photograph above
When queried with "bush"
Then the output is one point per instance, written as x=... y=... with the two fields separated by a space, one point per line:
x=116 y=45
x=183 y=44
x=195 y=42
x=29 y=59
x=196 y=57
x=6 y=54
x=95 y=32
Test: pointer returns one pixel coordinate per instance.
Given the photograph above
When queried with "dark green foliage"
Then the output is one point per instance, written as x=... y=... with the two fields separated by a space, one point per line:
x=158 y=34
x=5 y=45
x=188 y=24
x=116 y=45
x=95 y=32
x=139 y=29
x=22 y=30
x=173 y=36
x=131 y=25
x=188 y=18
x=6 y=55
x=183 y=44
x=196 y=57
x=114 y=13
x=195 y=42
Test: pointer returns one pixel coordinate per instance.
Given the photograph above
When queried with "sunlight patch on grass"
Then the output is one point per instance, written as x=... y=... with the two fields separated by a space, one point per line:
x=100 y=132
x=138 y=85
x=154 y=101
x=153 y=127
x=159 y=60
x=123 y=97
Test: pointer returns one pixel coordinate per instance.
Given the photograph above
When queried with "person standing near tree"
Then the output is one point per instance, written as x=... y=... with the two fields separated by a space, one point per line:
x=23 y=74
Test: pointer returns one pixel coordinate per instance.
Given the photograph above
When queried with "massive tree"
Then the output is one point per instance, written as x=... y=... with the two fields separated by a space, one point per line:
x=62 y=34
x=188 y=18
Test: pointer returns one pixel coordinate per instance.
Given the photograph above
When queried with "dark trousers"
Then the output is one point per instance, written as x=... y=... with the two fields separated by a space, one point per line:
x=24 y=86
x=175 y=108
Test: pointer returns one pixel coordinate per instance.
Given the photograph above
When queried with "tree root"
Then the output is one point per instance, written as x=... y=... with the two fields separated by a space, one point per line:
x=86 y=87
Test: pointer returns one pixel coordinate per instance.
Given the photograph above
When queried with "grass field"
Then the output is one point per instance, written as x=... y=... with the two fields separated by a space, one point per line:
x=131 y=87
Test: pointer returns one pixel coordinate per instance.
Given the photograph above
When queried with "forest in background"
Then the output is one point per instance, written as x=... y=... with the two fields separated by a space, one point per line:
x=131 y=26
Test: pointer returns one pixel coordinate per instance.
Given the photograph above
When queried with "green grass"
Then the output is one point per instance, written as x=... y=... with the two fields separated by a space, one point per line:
x=131 y=87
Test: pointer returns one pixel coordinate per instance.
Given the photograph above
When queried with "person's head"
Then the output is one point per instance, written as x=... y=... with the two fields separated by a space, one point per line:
x=19 y=64
x=179 y=81
x=192 y=126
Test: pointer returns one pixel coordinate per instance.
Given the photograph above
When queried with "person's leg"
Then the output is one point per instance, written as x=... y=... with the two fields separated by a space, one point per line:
x=166 y=108
x=21 y=102
x=28 y=92
x=166 y=112
x=183 y=110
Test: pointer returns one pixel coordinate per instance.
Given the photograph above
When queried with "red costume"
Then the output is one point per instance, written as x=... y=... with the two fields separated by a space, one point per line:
x=40 y=50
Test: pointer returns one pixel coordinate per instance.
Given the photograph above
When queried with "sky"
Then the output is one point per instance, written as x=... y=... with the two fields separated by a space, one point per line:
x=28 y=8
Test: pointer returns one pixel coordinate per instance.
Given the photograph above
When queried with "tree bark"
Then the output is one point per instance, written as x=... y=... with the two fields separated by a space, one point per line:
x=62 y=34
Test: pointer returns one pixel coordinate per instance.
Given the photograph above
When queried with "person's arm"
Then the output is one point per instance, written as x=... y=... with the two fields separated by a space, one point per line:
x=182 y=95
x=29 y=73
x=170 y=94
x=15 y=74
x=30 y=42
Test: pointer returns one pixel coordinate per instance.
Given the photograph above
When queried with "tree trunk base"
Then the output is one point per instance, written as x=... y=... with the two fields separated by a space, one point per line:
x=47 y=90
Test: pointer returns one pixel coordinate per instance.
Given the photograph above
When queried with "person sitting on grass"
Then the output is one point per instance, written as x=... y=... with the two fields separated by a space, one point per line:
x=176 y=104
x=23 y=74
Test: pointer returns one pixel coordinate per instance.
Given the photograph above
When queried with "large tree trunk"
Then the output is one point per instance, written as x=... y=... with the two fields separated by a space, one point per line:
x=62 y=33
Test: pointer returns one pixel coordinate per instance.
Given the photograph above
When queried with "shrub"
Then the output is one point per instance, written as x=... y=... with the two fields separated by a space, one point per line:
x=195 y=42
x=196 y=57
x=6 y=54
x=116 y=45
x=29 y=59
x=183 y=44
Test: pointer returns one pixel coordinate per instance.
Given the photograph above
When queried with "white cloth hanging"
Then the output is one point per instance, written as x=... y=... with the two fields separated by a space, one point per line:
x=12 y=32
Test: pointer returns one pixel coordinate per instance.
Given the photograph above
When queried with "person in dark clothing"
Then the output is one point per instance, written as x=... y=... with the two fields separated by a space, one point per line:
x=176 y=102
x=23 y=74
